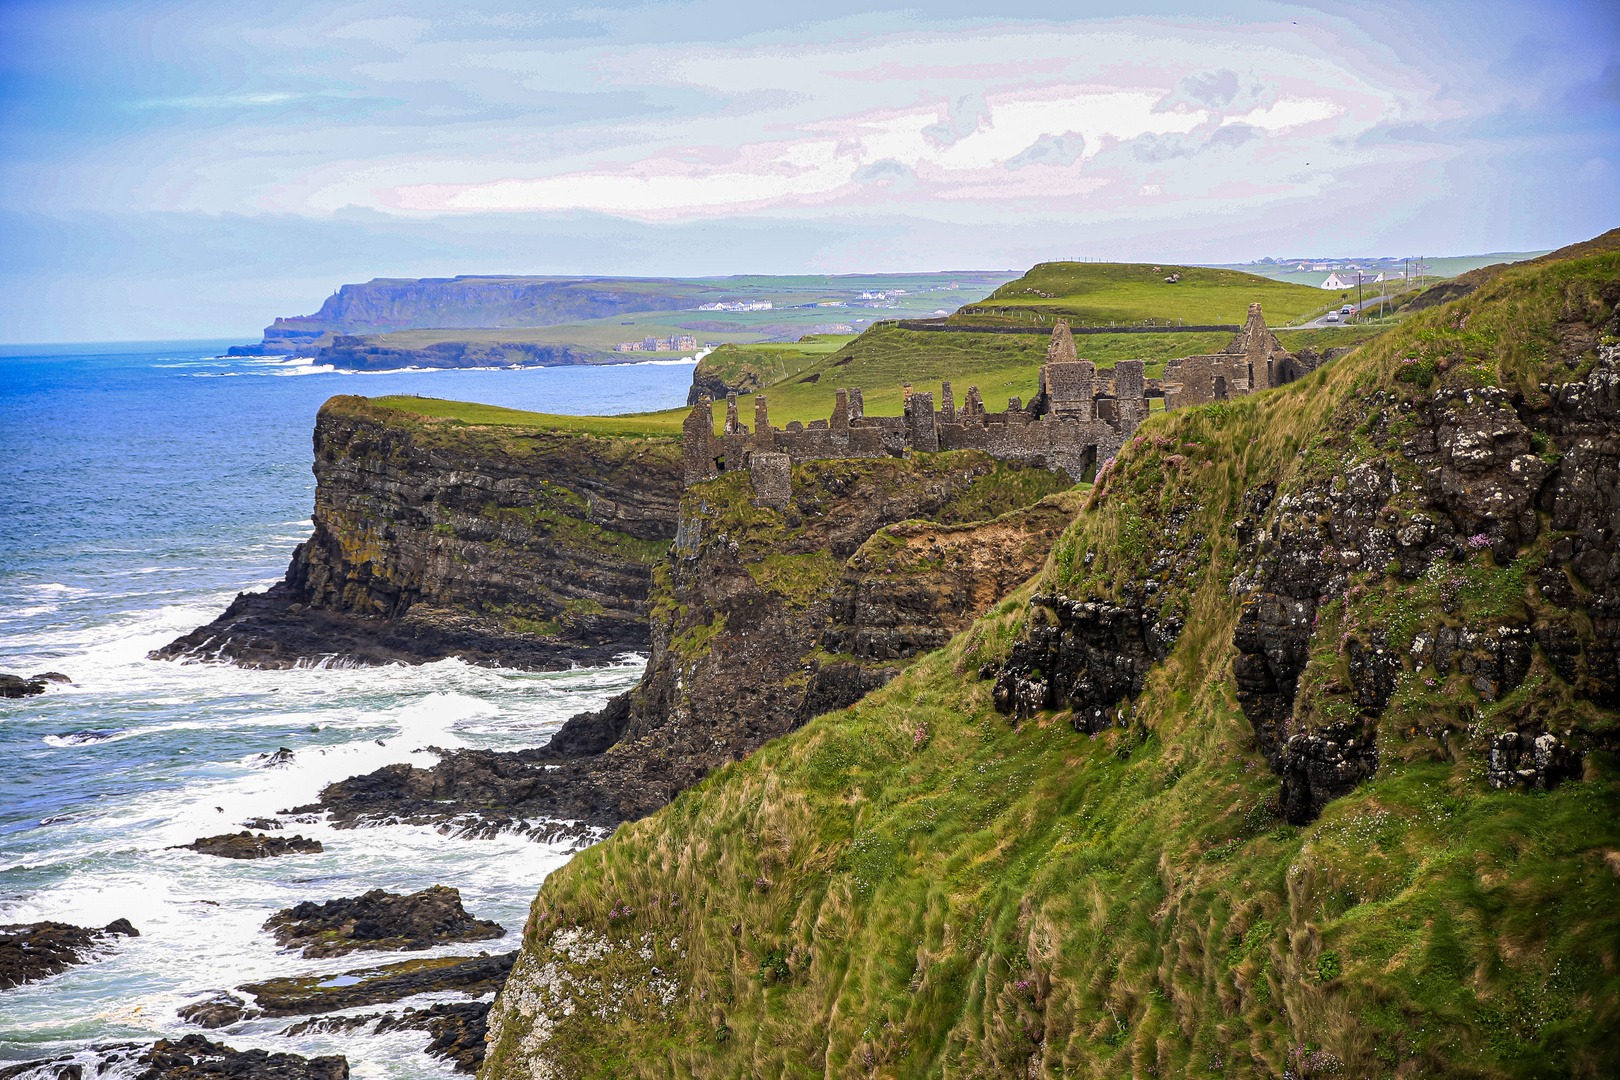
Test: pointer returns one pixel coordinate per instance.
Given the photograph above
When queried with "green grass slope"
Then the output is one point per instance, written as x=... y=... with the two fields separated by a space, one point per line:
x=915 y=887
x=1100 y=294
x=472 y=414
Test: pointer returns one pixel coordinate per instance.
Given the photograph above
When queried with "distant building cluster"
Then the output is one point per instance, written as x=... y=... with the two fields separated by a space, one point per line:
x=674 y=343
x=737 y=305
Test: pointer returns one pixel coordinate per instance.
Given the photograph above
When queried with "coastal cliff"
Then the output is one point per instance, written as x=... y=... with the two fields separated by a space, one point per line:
x=1297 y=758
x=385 y=304
x=505 y=545
x=378 y=353
x=759 y=619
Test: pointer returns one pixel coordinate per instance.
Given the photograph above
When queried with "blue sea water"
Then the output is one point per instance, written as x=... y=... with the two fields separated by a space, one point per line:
x=143 y=486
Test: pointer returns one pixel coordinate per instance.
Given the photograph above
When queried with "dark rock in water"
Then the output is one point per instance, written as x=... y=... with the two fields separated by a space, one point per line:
x=457 y=794
x=195 y=1058
x=15 y=686
x=215 y=1012
x=309 y=994
x=262 y=823
x=246 y=845
x=51 y=676
x=67 y=1066
x=282 y=756
x=31 y=951
x=458 y=1029
x=81 y=738
x=379 y=920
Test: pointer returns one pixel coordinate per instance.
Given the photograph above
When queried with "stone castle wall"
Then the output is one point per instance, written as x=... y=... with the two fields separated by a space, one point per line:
x=1078 y=420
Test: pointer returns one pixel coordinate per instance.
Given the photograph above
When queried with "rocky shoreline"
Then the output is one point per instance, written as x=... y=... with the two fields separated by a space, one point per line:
x=190 y=1058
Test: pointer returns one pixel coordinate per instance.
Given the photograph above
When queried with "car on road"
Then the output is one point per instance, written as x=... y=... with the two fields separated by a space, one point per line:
x=1332 y=316
x=1348 y=309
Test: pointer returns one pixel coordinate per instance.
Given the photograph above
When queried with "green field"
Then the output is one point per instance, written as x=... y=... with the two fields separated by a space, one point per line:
x=667 y=422
x=1127 y=294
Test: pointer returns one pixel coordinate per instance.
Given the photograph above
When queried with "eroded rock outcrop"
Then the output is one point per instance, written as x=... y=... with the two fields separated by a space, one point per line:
x=500 y=545
x=379 y=921
x=247 y=845
x=32 y=951
x=458 y=1029
x=762 y=619
x=1449 y=493
x=1089 y=655
x=912 y=586
x=309 y=995
x=190 y=1058
x=195 y=1058
x=216 y=1011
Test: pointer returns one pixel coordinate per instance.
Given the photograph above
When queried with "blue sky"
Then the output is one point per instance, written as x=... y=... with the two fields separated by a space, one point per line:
x=194 y=169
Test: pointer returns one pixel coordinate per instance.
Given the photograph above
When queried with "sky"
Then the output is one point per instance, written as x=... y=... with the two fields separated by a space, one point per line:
x=192 y=170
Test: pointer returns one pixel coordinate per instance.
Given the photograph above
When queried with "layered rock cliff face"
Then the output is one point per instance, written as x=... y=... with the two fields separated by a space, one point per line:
x=385 y=304
x=1486 y=513
x=501 y=545
x=1441 y=534
x=760 y=619
x=768 y=618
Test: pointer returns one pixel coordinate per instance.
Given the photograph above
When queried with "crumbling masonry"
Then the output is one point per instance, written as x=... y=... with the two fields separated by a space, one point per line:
x=1078 y=420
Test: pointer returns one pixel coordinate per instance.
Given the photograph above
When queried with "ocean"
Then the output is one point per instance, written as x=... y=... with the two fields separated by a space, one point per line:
x=144 y=486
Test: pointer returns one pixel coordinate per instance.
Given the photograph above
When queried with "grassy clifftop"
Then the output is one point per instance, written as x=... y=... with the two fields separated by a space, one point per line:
x=918 y=887
x=1097 y=294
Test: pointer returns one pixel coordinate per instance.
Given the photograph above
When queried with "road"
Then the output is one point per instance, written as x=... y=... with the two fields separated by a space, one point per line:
x=1322 y=323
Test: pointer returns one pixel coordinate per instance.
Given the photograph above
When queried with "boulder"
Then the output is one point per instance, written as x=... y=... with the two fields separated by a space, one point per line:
x=15 y=686
x=215 y=1012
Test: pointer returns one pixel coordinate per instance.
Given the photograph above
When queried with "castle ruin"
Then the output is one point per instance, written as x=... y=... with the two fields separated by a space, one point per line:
x=1077 y=421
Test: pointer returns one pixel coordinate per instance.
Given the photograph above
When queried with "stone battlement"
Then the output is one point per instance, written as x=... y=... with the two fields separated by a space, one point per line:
x=1078 y=419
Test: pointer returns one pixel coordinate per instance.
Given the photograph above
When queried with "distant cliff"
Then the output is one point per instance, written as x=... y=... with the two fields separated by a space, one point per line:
x=385 y=304
x=501 y=545
x=380 y=354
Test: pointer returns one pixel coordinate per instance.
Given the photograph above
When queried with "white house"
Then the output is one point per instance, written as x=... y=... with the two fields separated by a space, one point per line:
x=1335 y=282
